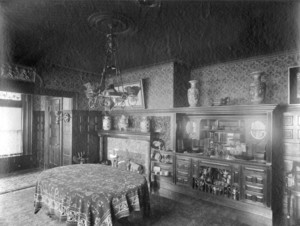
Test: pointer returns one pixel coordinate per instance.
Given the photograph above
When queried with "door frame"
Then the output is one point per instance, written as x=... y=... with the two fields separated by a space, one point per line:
x=49 y=93
x=47 y=132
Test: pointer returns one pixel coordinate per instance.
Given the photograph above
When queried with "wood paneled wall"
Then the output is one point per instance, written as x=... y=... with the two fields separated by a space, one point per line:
x=38 y=138
x=291 y=142
x=85 y=136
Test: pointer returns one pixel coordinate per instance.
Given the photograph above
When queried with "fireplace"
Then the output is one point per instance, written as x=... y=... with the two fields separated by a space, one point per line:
x=126 y=150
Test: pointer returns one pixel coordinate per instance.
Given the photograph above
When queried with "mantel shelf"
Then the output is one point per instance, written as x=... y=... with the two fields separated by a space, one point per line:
x=125 y=134
x=225 y=109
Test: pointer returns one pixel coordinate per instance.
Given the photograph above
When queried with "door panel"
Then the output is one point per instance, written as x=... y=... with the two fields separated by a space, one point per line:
x=54 y=134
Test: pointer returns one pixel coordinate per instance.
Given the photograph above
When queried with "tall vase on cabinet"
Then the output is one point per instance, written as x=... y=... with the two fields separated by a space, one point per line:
x=257 y=88
x=193 y=94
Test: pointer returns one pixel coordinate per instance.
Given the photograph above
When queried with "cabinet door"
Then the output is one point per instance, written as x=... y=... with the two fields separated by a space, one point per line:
x=217 y=178
x=183 y=170
x=255 y=185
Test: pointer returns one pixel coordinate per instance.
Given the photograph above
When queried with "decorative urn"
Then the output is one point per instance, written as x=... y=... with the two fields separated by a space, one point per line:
x=145 y=124
x=123 y=123
x=257 y=88
x=193 y=94
x=106 y=122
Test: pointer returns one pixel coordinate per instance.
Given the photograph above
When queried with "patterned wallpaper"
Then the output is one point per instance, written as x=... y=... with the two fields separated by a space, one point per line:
x=159 y=125
x=158 y=83
x=232 y=79
x=64 y=79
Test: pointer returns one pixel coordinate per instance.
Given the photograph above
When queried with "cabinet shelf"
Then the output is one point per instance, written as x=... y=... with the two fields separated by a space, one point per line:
x=164 y=152
x=220 y=131
x=161 y=175
x=161 y=163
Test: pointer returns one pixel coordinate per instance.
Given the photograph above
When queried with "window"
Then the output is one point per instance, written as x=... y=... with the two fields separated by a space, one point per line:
x=15 y=124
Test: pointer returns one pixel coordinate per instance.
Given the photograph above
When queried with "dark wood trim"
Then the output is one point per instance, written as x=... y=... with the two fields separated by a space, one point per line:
x=27 y=123
x=46 y=134
x=17 y=86
x=291 y=107
x=125 y=134
x=216 y=160
x=227 y=109
x=10 y=103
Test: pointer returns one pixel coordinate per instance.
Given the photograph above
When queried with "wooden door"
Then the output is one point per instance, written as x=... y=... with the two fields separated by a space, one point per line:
x=53 y=133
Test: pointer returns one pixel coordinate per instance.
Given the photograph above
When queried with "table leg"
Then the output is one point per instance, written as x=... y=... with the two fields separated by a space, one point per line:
x=296 y=210
x=289 y=196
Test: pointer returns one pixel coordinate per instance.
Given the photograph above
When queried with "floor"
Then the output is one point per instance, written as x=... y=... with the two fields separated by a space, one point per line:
x=164 y=212
x=18 y=180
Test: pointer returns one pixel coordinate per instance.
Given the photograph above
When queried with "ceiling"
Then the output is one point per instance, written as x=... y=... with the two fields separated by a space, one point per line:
x=40 y=32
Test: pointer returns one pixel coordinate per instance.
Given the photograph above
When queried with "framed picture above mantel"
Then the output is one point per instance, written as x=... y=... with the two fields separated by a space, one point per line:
x=294 y=85
x=135 y=92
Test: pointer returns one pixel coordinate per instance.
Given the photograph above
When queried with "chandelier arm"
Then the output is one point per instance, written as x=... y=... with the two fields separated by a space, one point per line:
x=109 y=97
x=118 y=74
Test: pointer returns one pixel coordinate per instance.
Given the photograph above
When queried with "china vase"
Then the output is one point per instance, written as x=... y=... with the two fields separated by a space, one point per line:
x=193 y=94
x=106 y=123
x=257 y=88
x=145 y=124
x=123 y=123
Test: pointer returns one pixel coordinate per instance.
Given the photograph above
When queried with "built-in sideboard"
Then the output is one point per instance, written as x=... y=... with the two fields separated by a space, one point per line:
x=222 y=154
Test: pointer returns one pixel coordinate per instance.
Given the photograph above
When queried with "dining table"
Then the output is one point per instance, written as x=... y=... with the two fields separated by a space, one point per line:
x=91 y=194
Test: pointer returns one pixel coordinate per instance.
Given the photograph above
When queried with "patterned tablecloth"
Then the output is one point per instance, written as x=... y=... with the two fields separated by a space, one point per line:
x=91 y=194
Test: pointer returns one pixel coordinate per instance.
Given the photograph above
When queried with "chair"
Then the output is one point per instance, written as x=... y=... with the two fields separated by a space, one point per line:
x=293 y=190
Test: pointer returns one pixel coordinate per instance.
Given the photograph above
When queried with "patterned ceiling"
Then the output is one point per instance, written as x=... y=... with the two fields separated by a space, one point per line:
x=39 y=32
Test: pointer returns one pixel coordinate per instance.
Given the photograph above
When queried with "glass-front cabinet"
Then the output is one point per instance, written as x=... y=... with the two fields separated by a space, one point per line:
x=224 y=137
x=226 y=152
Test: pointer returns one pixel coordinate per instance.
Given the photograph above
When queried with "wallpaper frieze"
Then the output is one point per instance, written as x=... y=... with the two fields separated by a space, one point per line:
x=232 y=79
x=16 y=72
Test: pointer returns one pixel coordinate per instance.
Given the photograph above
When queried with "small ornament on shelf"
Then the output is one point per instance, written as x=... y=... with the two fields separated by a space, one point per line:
x=106 y=122
x=158 y=144
x=145 y=124
x=123 y=123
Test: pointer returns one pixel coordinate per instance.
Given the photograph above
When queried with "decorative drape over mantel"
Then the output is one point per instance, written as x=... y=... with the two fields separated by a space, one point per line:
x=15 y=78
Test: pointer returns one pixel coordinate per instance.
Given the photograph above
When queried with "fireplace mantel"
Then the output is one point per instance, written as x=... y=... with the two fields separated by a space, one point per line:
x=125 y=134
x=138 y=136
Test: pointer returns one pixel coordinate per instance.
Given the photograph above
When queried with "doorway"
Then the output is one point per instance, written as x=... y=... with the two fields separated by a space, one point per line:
x=58 y=132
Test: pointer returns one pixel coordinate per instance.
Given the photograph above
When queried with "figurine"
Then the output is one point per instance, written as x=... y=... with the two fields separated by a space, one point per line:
x=123 y=123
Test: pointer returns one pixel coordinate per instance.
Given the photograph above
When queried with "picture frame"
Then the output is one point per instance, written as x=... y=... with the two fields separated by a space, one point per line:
x=134 y=101
x=294 y=85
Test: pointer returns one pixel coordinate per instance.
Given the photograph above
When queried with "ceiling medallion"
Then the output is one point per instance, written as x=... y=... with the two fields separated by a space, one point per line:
x=105 y=22
x=150 y=3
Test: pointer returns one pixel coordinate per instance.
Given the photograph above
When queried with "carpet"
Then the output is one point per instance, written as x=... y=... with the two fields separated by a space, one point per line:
x=18 y=181
x=16 y=209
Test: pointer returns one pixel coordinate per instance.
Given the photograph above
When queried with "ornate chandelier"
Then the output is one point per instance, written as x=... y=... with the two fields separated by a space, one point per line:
x=97 y=93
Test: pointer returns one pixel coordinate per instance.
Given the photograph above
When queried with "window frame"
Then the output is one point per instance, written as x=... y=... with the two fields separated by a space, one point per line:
x=27 y=113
